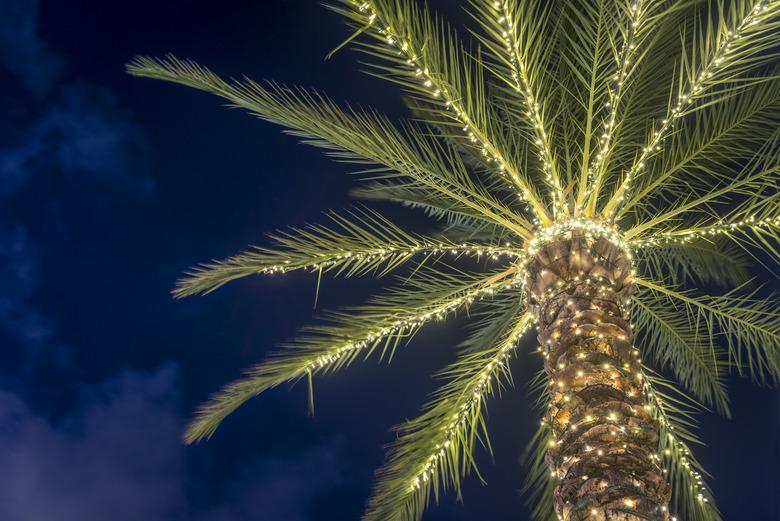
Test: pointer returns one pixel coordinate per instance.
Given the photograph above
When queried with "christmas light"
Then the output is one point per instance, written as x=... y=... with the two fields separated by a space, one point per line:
x=474 y=391
x=687 y=235
x=683 y=102
x=522 y=86
x=624 y=59
x=452 y=102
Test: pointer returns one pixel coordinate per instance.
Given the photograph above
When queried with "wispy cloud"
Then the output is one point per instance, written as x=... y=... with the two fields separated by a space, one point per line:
x=22 y=52
x=85 y=137
x=115 y=451
x=80 y=130
x=18 y=282
x=117 y=456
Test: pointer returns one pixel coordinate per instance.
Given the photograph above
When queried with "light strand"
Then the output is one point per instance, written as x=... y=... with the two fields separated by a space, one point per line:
x=522 y=86
x=402 y=325
x=624 y=58
x=683 y=102
x=672 y=446
x=715 y=230
x=441 y=93
x=379 y=254
x=591 y=228
x=474 y=392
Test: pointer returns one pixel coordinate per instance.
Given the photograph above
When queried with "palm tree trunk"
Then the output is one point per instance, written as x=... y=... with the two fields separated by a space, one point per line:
x=605 y=439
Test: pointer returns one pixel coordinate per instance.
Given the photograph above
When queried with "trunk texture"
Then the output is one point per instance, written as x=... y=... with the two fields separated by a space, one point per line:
x=604 y=438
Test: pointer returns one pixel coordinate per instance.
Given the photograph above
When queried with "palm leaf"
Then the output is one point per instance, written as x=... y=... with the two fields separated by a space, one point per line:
x=433 y=451
x=749 y=326
x=362 y=243
x=380 y=324
x=667 y=335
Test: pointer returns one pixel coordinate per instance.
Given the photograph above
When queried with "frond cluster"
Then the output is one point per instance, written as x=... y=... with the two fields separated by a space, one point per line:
x=649 y=124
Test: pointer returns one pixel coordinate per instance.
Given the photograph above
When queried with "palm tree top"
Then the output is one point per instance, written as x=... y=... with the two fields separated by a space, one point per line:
x=648 y=124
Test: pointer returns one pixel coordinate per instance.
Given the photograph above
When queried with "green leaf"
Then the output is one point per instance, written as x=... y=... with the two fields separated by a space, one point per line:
x=362 y=243
x=435 y=450
x=351 y=333
x=749 y=326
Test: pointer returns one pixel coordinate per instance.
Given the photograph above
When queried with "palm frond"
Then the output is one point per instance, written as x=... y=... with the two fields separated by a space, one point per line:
x=417 y=196
x=673 y=342
x=435 y=450
x=357 y=137
x=512 y=30
x=423 y=56
x=710 y=139
x=750 y=326
x=636 y=22
x=702 y=260
x=539 y=483
x=361 y=243
x=734 y=40
x=691 y=498
x=754 y=185
x=589 y=30
x=381 y=324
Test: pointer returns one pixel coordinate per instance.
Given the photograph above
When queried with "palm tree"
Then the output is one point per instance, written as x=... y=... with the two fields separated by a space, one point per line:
x=600 y=159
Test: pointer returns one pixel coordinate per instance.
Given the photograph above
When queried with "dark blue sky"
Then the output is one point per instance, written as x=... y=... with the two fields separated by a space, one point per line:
x=110 y=186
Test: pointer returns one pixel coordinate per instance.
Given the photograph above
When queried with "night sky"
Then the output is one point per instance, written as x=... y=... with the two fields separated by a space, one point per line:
x=110 y=186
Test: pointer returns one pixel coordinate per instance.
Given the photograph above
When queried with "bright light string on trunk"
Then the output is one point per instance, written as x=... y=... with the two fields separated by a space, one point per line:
x=472 y=399
x=441 y=93
x=718 y=61
x=589 y=227
x=533 y=111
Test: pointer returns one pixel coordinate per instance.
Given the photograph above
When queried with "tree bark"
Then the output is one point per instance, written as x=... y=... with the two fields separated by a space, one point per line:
x=605 y=440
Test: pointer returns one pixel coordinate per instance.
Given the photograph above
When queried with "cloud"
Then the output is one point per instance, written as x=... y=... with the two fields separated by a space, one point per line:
x=118 y=456
x=22 y=52
x=81 y=131
x=18 y=282
x=75 y=131
x=113 y=452
x=86 y=137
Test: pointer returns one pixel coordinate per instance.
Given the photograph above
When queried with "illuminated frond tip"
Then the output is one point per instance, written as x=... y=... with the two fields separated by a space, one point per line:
x=732 y=45
x=432 y=64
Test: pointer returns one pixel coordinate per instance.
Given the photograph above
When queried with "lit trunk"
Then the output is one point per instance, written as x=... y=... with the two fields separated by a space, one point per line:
x=605 y=440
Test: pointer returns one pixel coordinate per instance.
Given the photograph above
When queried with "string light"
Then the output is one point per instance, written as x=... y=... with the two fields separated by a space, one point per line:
x=441 y=92
x=624 y=57
x=684 y=236
x=403 y=325
x=684 y=100
x=591 y=228
x=474 y=391
x=380 y=254
x=521 y=85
